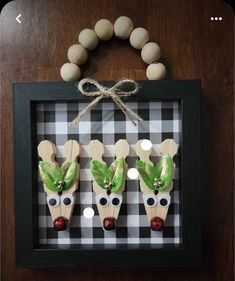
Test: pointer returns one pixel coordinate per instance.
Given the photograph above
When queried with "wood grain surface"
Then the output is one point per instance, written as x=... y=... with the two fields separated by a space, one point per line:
x=193 y=47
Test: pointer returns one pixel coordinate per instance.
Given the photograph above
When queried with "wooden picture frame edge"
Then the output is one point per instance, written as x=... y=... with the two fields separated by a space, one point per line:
x=188 y=254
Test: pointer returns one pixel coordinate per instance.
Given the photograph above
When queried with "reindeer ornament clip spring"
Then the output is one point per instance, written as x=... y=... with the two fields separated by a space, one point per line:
x=60 y=183
x=108 y=182
x=156 y=181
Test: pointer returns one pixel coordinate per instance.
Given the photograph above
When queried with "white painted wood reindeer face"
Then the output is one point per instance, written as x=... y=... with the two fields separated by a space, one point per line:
x=108 y=183
x=156 y=181
x=60 y=183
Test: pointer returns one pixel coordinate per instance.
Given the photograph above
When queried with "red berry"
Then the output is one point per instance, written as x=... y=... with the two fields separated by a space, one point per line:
x=60 y=223
x=109 y=223
x=157 y=224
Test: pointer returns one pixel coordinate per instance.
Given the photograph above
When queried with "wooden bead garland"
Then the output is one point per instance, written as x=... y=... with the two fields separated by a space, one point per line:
x=139 y=37
x=88 y=39
x=77 y=54
x=150 y=52
x=104 y=29
x=123 y=28
x=70 y=72
x=156 y=71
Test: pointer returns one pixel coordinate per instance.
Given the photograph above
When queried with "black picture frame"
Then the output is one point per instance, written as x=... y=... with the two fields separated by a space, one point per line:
x=187 y=254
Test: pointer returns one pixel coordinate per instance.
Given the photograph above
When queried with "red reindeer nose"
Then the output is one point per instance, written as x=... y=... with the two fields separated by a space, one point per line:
x=60 y=223
x=157 y=224
x=109 y=223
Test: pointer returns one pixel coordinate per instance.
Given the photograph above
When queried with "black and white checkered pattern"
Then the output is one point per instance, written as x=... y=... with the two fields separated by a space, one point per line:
x=108 y=124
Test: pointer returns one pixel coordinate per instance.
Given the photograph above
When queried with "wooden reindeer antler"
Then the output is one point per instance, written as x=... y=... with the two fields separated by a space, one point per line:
x=144 y=155
x=96 y=152
x=47 y=151
x=71 y=152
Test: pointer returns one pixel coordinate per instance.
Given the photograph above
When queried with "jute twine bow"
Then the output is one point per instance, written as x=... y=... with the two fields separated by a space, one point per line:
x=102 y=92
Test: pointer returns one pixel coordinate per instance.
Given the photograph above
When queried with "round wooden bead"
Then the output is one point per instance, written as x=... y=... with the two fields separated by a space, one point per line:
x=70 y=72
x=139 y=36
x=77 y=54
x=150 y=52
x=123 y=27
x=88 y=38
x=156 y=71
x=104 y=29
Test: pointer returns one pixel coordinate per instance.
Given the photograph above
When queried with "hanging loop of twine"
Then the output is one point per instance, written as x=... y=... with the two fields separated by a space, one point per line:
x=102 y=92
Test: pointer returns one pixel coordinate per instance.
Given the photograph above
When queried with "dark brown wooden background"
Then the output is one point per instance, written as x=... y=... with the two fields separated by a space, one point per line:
x=193 y=47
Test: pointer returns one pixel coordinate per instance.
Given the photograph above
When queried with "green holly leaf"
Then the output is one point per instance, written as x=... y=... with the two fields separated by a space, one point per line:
x=166 y=164
x=50 y=175
x=157 y=169
x=119 y=170
x=58 y=179
x=64 y=167
x=109 y=178
x=101 y=173
x=158 y=176
x=146 y=172
x=69 y=171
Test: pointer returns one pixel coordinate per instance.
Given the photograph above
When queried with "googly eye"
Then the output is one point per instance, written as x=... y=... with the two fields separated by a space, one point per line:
x=164 y=200
x=116 y=199
x=53 y=200
x=102 y=200
x=67 y=199
x=150 y=200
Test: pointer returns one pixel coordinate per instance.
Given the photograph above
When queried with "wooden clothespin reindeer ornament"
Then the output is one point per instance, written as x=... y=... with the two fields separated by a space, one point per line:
x=60 y=183
x=156 y=181
x=108 y=182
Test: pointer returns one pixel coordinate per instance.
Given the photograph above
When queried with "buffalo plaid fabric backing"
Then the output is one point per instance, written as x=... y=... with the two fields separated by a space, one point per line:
x=108 y=124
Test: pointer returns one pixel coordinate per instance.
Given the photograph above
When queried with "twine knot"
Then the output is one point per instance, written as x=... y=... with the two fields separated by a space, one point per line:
x=102 y=92
x=105 y=92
